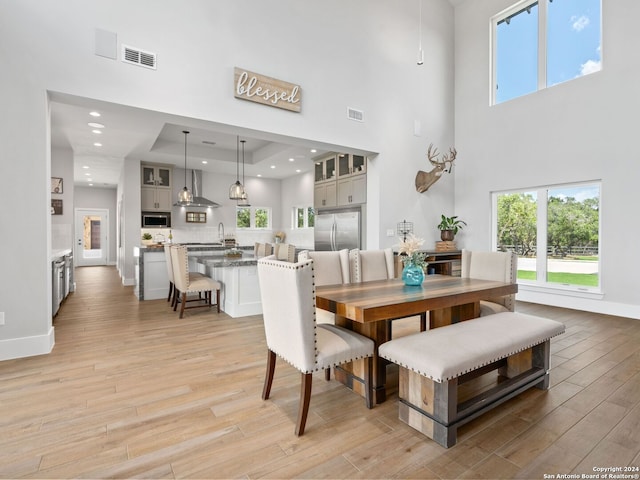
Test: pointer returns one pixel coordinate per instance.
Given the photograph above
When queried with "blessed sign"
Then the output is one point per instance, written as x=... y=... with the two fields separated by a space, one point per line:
x=266 y=90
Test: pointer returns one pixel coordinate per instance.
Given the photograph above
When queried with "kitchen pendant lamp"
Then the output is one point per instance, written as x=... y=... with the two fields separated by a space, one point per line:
x=235 y=191
x=185 y=197
x=244 y=198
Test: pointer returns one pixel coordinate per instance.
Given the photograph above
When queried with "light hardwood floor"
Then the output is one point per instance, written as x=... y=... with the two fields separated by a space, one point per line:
x=132 y=391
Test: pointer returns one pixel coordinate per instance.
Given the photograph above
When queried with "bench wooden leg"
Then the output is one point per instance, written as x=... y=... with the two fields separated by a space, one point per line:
x=429 y=407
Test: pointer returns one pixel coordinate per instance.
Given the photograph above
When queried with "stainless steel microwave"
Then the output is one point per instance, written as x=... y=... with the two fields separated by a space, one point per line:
x=156 y=219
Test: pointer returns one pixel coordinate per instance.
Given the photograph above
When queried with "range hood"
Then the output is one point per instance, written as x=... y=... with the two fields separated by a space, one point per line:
x=196 y=189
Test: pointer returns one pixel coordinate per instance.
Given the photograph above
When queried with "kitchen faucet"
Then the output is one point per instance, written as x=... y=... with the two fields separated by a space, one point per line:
x=221 y=232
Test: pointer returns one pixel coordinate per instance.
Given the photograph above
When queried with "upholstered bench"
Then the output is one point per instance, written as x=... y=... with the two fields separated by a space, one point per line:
x=434 y=363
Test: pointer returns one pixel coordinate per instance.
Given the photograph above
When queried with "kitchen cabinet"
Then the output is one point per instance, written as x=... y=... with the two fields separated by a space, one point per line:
x=324 y=195
x=350 y=164
x=352 y=190
x=156 y=188
x=325 y=169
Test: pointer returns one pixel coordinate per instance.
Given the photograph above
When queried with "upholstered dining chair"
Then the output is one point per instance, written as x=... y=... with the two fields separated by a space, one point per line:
x=369 y=265
x=500 y=266
x=330 y=268
x=187 y=283
x=287 y=291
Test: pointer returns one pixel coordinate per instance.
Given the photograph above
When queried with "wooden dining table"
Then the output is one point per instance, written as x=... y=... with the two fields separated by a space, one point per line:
x=366 y=308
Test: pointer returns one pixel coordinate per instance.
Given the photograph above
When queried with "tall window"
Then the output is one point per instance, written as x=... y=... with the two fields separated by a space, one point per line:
x=555 y=231
x=253 y=217
x=303 y=217
x=537 y=44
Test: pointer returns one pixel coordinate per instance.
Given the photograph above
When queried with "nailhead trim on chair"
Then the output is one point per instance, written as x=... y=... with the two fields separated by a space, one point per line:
x=284 y=264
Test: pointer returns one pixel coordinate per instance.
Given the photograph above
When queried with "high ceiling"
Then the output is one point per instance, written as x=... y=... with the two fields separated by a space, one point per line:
x=150 y=136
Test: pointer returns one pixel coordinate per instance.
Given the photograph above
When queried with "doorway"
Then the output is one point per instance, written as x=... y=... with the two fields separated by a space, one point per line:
x=91 y=245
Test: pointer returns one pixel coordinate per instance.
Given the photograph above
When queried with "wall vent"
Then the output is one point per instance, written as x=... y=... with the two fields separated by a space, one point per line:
x=138 y=57
x=353 y=114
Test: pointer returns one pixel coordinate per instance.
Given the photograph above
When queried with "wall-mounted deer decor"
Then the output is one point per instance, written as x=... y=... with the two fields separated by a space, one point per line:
x=425 y=179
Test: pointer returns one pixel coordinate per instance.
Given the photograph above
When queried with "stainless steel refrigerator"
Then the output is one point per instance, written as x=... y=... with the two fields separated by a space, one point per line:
x=337 y=229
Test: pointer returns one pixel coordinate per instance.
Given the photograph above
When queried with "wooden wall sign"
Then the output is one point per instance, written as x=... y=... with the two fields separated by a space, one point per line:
x=266 y=90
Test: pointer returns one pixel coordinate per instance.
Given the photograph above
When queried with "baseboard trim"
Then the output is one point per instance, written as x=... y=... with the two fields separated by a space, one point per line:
x=584 y=304
x=27 y=346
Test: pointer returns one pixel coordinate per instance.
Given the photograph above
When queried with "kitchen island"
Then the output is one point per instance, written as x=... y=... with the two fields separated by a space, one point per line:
x=240 y=292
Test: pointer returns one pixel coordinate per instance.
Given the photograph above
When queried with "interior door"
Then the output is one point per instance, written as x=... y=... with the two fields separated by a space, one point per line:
x=91 y=245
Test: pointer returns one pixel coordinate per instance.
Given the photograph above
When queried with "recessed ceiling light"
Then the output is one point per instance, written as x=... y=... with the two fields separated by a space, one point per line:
x=91 y=184
x=95 y=125
x=88 y=174
x=273 y=166
x=292 y=159
x=85 y=166
x=313 y=150
x=204 y=162
x=97 y=132
x=318 y=163
x=89 y=179
x=94 y=114
x=298 y=170
x=259 y=175
x=96 y=145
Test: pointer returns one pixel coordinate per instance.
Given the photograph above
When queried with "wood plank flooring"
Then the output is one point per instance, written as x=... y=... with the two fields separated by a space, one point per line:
x=130 y=391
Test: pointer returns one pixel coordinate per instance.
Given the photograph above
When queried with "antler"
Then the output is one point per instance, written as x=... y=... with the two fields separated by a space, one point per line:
x=447 y=159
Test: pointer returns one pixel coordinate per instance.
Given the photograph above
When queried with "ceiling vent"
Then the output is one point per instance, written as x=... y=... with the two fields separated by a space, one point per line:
x=138 y=57
x=356 y=115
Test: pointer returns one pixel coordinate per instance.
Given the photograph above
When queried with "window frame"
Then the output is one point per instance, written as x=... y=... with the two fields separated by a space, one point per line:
x=294 y=216
x=541 y=283
x=252 y=217
x=543 y=15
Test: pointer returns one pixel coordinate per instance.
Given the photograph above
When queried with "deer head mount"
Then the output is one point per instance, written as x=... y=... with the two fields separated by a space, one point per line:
x=425 y=179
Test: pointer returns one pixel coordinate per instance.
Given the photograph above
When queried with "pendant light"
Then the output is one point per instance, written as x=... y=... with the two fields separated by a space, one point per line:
x=244 y=198
x=185 y=197
x=420 y=51
x=235 y=191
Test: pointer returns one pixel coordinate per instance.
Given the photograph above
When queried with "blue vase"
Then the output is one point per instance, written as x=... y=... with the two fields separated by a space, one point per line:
x=412 y=275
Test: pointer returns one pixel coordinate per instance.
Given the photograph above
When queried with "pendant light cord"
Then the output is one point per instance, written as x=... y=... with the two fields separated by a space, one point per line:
x=185 y=157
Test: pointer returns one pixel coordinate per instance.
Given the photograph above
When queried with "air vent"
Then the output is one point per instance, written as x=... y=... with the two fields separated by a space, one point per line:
x=138 y=57
x=356 y=115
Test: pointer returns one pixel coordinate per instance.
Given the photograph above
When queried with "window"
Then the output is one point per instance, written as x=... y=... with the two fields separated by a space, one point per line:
x=537 y=44
x=555 y=231
x=253 y=217
x=303 y=217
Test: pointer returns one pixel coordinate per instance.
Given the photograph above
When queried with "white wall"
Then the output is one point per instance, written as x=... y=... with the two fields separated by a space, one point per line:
x=360 y=53
x=101 y=198
x=579 y=130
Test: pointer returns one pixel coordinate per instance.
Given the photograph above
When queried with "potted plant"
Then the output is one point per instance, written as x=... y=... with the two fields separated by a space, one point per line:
x=147 y=238
x=449 y=227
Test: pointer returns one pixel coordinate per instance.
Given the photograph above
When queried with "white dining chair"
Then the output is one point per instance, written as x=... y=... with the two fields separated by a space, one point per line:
x=369 y=265
x=330 y=268
x=287 y=291
x=500 y=266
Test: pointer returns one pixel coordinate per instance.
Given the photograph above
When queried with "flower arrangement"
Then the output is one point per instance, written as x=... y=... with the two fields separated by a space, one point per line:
x=408 y=248
x=279 y=236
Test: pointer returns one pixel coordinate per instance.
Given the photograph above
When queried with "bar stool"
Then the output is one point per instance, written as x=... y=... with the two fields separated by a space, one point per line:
x=187 y=283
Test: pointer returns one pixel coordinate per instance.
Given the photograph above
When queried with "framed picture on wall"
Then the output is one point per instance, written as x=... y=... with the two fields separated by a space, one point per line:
x=56 y=206
x=56 y=185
